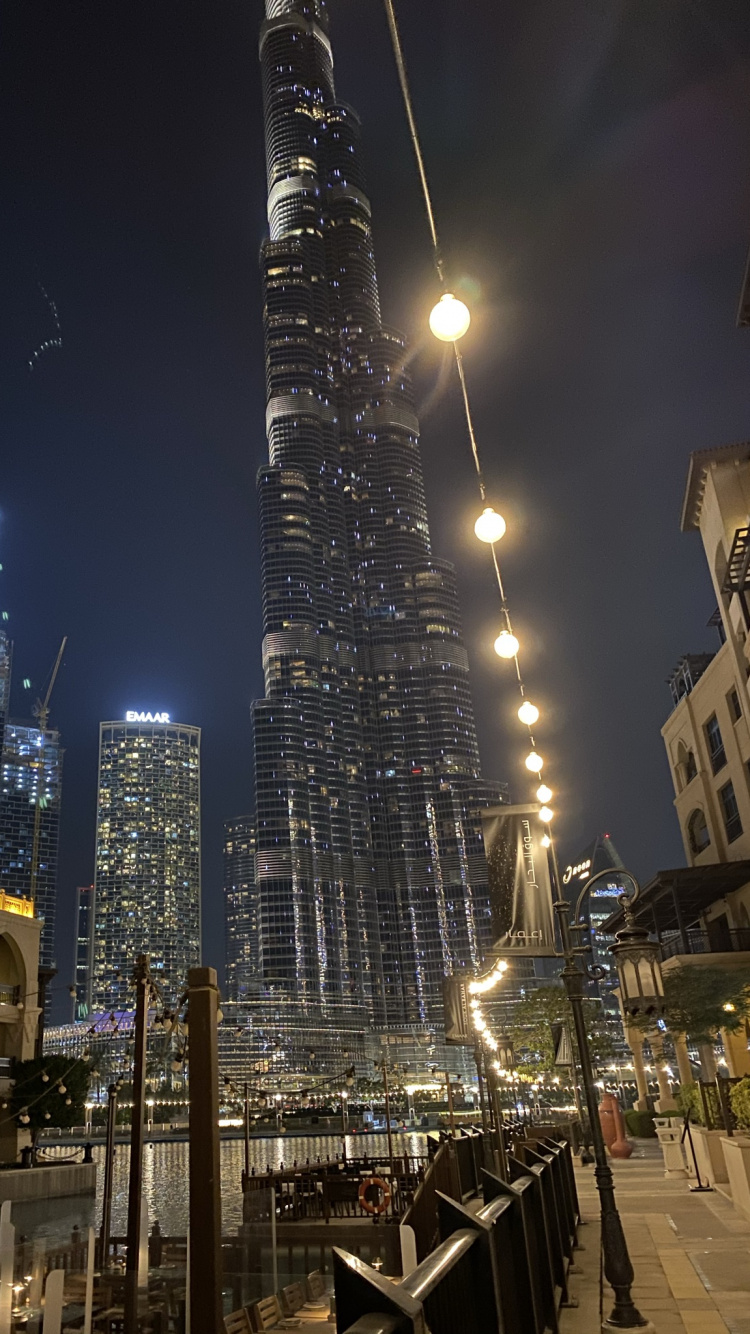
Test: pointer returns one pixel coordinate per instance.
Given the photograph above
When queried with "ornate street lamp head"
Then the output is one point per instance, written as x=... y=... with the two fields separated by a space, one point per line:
x=638 y=967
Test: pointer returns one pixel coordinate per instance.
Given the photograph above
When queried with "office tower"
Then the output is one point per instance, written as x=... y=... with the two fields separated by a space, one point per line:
x=148 y=861
x=84 y=950
x=6 y=661
x=30 y=796
x=370 y=875
x=597 y=906
x=240 y=906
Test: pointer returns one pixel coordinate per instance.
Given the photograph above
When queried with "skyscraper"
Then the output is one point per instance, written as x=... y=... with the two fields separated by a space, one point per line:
x=6 y=658
x=370 y=878
x=148 y=859
x=598 y=906
x=30 y=795
x=84 y=950
x=240 y=906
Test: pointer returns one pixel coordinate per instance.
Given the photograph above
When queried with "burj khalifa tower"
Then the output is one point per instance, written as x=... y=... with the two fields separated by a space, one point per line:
x=370 y=881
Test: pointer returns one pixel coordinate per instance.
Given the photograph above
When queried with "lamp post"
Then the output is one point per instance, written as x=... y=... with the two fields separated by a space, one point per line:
x=642 y=993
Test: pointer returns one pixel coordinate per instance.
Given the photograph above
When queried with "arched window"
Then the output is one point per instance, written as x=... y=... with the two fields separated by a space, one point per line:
x=698 y=834
x=686 y=768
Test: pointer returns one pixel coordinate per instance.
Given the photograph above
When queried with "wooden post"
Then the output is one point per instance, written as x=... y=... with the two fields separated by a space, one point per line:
x=205 y=1171
x=109 y=1167
x=388 y=1113
x=247 y=1134
x=135 y=1191
x=449 y=1090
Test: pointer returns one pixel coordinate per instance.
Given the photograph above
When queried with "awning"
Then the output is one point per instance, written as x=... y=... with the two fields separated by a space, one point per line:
x=674 y=900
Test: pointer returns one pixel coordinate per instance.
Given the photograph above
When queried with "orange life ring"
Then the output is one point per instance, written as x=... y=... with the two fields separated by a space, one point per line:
x=385 y=1195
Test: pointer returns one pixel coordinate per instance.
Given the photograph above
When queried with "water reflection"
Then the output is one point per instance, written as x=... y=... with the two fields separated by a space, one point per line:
x=165 y=1178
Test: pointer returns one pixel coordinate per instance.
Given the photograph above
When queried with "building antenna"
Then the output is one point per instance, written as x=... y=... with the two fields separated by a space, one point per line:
x=41 y=712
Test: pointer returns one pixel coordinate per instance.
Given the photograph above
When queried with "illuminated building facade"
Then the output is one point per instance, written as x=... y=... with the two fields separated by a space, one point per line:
x=31 y=773
x=84 y=949
x=240 y=906
x=6 y=659
x=148 y=858
x=598 y=906
x=370 y=877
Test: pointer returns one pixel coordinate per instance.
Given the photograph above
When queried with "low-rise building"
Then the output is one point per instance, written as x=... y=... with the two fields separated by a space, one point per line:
x=20 y=930
x=707 y=735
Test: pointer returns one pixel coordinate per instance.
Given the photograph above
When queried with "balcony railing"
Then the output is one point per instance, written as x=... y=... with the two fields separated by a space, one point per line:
x=696 y=941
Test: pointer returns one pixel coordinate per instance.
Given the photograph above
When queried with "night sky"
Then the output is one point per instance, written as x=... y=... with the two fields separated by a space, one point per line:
x=590 y=163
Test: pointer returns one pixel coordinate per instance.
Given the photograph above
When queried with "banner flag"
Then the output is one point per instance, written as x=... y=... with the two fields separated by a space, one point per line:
x=458 y=1029
x=562 y=1043
x=518 y=880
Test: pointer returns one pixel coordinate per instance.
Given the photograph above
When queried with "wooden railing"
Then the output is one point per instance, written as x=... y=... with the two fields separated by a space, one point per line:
x=326 y=1190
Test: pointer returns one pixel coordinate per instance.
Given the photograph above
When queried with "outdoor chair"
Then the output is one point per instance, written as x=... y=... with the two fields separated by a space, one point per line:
x=292 y=1298
x=238 y=1323
x=316 y=1286
x=265 y=1313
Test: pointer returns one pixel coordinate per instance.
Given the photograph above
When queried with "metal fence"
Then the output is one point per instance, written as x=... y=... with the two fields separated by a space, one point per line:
x=502 y=1268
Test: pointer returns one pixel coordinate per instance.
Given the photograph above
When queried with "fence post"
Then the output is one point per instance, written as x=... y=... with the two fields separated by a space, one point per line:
x=205 y=1170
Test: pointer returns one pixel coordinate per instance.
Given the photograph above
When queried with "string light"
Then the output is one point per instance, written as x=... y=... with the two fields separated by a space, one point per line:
x=506 y=645
x=449 y=321
x=545 y=814
x=528 y=713
x=544 y=793
x=490 y=526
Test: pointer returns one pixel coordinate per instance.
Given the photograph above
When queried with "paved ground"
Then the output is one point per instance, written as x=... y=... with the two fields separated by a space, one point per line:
x=690 y=1252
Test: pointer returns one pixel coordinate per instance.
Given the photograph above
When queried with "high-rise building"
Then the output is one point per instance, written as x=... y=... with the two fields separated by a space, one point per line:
x=240 y=906
x=148 y=857
x=6 y=661
x=30 y=796
x=31 y=777
x=370 y=876
x=597 y=906
x=84 y=950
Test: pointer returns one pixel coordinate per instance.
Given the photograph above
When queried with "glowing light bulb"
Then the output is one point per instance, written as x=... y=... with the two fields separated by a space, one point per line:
x=545 y=840
x=528 y=713
x=490 y=526
x=544 y=793
x=449 y=319
x=506 y=645
x=545 y=814
x=534 y=762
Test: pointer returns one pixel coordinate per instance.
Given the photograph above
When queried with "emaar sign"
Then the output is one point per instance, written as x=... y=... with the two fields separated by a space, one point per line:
x=132 y=717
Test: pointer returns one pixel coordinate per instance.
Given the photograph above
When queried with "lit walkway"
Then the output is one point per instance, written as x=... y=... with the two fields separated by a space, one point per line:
x=690 y=1252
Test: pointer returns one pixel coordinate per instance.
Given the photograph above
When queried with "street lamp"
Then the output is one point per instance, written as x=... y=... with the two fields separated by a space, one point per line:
x=638 y=959
x=638 y=964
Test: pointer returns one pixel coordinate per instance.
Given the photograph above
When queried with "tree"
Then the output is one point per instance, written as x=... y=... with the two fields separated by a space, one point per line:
x=57 y=1100
x=532 y=1033
x=699 y=1001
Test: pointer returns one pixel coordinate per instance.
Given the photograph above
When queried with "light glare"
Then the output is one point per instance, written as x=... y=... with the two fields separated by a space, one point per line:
x=534 y=762
x=546 y=814
x=544 y=793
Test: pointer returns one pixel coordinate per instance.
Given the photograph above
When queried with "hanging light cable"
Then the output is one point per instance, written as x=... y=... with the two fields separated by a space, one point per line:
x=448 y=318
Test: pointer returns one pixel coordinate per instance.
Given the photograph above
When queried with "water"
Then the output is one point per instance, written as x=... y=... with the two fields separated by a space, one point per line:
x=165 y=1180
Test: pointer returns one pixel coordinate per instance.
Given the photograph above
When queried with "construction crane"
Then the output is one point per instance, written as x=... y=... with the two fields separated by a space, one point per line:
x=41 y=712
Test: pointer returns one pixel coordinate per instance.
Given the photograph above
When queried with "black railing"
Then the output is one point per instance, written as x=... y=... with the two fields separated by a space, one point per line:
x=695 y=941
x=501 y=1268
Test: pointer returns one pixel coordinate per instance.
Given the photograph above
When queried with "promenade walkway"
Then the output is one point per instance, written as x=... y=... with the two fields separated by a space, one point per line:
x=690 y=1252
